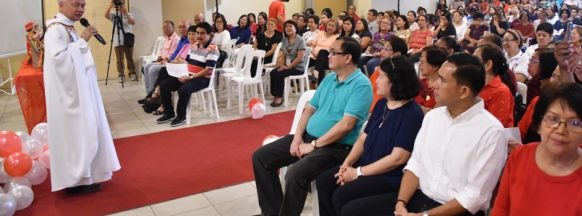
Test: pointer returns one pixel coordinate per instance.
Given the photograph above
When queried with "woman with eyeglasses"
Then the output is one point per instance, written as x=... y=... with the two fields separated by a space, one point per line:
x=394 y=47
x=374 y=165
x=372 y=56
x=544 y=178
x=290 y=61
x=516 y=59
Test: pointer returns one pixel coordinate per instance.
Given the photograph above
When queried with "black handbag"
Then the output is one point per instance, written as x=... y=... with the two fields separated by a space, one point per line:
x=128 y=39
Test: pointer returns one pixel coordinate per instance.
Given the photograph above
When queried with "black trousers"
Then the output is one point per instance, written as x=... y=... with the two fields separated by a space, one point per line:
x=185 y=90
x=278 y=80
x=384 y=205
x=268 y=159
x=332 y=198
x=321 y=64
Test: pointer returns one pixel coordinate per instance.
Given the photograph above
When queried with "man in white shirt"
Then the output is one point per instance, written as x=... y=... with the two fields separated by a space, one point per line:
x=544 y=34
x=458 y=154
x=552 y=18
x=460 y=149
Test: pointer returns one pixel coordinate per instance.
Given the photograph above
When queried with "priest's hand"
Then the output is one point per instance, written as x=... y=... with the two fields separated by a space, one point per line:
x=88 y=33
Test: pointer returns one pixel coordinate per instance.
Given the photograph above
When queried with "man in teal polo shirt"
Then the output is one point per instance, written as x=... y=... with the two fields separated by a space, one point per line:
x=328 y=128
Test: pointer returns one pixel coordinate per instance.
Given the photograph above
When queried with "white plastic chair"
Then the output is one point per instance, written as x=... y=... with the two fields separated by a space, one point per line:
x=209 y=91
x=156 y=49
x=270 y=66
x=245 y=54
x=522 y=90
x=305 y=97
x=303 y=79
x=245 y=79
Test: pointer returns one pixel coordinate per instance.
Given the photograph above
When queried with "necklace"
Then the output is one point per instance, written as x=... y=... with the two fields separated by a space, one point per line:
x=385 y=115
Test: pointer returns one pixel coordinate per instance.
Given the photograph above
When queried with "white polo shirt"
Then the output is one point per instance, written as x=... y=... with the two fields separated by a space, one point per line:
x=518 y=64
x=459 y=158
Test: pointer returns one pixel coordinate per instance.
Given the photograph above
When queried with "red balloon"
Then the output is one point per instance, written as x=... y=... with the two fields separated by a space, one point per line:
x=9 y=143
x=254 y=101
x=17 y=164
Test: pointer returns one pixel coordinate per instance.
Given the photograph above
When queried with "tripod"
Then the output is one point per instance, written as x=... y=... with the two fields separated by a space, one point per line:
x=117 y=25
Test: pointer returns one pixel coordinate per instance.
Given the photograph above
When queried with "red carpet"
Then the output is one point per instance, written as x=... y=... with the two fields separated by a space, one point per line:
x=167 y=165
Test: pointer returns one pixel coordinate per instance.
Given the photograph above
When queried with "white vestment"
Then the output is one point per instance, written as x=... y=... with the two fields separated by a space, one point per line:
x=80 y=142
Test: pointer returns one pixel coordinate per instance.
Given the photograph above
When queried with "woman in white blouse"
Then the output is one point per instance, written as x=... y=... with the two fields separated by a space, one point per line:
x=460 y=24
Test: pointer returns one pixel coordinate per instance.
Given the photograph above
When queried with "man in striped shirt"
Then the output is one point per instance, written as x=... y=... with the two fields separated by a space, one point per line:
x=201 y=61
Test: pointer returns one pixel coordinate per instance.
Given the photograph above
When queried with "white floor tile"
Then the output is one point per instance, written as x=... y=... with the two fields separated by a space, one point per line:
x=181 y=205
x=230 y=193
x=244 y=206
x=208 y=211
x=143 y=211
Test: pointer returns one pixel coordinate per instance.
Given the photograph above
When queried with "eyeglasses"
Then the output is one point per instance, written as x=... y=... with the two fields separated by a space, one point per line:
x=573 y=125
x=334 y=53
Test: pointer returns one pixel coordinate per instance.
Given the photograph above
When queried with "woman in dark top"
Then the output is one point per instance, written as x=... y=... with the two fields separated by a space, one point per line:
x=268 y=41
x=498 y=24
x=374 y=165
x=445 y=27
x=364 y=32
x=242 y=32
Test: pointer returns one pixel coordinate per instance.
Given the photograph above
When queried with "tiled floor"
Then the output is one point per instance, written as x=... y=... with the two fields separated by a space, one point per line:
x=126 y=118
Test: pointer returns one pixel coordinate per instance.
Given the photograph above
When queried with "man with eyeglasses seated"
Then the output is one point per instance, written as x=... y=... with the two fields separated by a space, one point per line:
x=326 y=132
x=458 y=153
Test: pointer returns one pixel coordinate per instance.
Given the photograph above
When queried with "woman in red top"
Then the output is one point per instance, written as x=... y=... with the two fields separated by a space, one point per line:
x=524 y=26
x=545 y=178
x=499 y=89
x=421 y=37
x=431 y=59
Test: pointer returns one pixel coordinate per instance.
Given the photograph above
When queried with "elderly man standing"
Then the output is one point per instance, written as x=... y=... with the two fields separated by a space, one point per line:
x=82 y=150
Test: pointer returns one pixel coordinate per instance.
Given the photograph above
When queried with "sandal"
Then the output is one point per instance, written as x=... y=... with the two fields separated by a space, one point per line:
x=159 y=111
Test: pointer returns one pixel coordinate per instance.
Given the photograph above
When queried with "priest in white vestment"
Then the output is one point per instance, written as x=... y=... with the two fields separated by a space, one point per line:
x=81 y=145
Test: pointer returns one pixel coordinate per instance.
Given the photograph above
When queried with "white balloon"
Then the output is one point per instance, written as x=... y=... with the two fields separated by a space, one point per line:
x=44 y=159
x=23 y=196
x=33 y=148
x=23 y=136
x=4 y=177
x=37 y=173
x=7 y=205
x=258 y=111
x=40 y=132
x=14 y=182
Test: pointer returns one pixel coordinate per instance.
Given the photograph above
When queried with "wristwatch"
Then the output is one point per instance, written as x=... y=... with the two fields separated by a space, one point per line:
x=359 y=172
x=314 y=143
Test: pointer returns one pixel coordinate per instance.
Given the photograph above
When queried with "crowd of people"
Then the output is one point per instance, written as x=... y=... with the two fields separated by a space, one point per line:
x=411 y=109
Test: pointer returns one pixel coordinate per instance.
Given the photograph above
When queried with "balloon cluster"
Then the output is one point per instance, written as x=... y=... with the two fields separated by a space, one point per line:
x=257 y=108
x=24 y=160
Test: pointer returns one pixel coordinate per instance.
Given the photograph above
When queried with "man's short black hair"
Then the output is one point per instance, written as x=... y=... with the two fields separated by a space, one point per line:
x=402 y=75
x=470 y=71
x=205 y=26
x=374 y=12
x=315 y=19
x=352 y=47
x=546 y=27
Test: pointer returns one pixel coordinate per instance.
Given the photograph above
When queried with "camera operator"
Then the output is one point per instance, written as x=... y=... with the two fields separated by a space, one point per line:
x=121 y=42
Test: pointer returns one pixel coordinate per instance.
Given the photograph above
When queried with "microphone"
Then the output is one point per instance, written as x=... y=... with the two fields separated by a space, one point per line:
x=85 y=23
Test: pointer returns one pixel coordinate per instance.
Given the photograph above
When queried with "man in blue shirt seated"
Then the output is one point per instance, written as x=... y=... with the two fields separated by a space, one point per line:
x=328 y=128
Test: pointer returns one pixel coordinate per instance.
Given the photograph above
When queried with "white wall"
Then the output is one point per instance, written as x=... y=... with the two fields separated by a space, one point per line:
x=232 y=9
x=405 y=5
x=148 y=15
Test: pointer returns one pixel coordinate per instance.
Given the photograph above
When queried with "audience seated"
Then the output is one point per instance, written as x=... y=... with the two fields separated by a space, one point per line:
x=151 y=70
x=499 y=90
x=476 y=30
x=431 y=59
x=394 y=47
x=449 y=173
x=372 y=57
x=524 y=26
x=329 y=127
x=542 y=61
x=445 y=27
x=291 y=61
x=382 y=150
x=311 y=34
x=402 y=28
x=420 y=38
x=449 y=44
x=201 y=60
x=242 y=32
x=349 y=28
x=267 y=41
x=544 y=34
x=516 y=59
x=320 y=48
x=543 y=178
x=364 y=33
